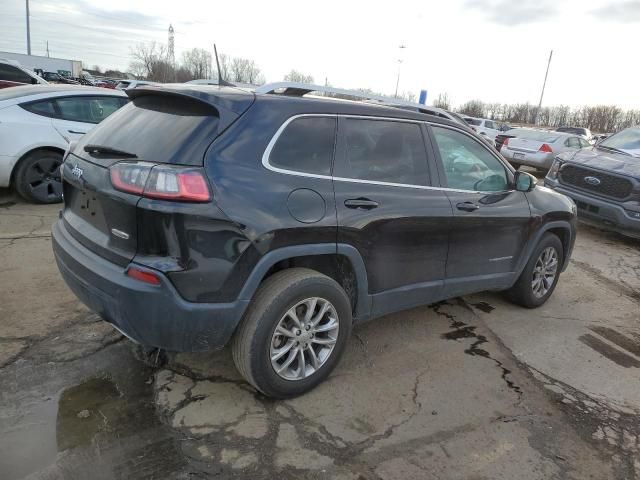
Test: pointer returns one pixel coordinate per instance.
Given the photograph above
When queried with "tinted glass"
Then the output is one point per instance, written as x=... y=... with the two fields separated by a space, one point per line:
x=383 y=151
x=13 y=74
x=490 y=124
x=156 y=128
x=467 y=164
x=44 y=107
x=87 y=109
x=473 y=121
x=306 y=145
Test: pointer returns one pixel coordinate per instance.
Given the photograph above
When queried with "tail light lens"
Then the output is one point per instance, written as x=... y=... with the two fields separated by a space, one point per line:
x=165 y=182
x=505 y=143
x=545 y=148
x=143 y=276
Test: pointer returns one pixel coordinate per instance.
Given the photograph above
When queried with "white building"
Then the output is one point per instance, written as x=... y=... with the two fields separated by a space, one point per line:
x=62 y=66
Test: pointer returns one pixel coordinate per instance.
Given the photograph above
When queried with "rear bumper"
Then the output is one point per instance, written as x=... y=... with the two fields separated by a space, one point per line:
x=598 y=212
x=154 y=316
x=534 y=159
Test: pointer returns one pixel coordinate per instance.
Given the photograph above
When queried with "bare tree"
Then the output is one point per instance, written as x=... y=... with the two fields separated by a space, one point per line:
x=198 y=62
x=243 y=70
x=442 y=101
x=296 y=76
x=150 y=61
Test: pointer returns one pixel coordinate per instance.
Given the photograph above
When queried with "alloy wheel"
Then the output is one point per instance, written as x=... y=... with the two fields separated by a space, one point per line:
x=544 y=272
x=304 y=338
x=43 y=179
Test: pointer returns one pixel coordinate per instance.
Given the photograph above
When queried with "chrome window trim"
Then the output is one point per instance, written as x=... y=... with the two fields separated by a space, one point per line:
x=274 y=139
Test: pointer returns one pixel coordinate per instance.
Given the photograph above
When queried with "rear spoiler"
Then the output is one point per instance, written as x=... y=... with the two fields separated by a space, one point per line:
x=230 y=103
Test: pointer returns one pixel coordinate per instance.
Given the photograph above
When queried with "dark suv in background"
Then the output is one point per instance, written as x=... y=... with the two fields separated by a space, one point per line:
x=196 y=216
x=604 y=181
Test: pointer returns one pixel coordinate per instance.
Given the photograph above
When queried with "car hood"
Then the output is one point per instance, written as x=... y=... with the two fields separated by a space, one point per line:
x=604 y=160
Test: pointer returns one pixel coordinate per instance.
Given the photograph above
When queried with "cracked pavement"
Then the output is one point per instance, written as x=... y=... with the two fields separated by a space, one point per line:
x=472 y=388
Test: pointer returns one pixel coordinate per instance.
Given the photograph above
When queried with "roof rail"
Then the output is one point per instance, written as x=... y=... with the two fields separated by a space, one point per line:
x=295 y=89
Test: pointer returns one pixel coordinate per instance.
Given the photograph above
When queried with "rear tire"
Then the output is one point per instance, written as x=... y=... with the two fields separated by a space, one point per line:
x=37 y=177
x=256 y=343
x=535 y=284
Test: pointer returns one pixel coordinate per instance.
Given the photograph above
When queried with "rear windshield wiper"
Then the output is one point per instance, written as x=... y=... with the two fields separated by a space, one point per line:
x=102 y=150
x=613 y=149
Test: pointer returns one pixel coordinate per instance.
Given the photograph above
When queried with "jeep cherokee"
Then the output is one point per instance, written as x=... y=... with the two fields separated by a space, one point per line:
x=198 y=216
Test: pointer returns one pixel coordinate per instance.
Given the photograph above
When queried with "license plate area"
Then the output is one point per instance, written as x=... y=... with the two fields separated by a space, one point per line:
x=518 y=156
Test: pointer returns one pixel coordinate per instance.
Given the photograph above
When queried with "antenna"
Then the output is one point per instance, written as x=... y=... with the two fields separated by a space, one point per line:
x=221 y=81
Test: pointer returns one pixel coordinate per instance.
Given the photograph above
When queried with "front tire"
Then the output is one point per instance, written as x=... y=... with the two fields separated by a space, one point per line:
x=540 y=276
x=293 y=333
x=37 y=177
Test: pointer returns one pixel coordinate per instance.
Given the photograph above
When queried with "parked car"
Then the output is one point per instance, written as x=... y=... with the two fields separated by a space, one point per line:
x=198 y=216
x=583 y=132
x=537 y=148
x=127 y=84
x=484 y=127
x=36 y=125
x=53 y=77
x=604 y=181
x=13 y=75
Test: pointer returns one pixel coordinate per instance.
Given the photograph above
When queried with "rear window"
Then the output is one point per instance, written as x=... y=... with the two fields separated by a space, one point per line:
x=473 y=121
x=158 y=128
x=540 y=136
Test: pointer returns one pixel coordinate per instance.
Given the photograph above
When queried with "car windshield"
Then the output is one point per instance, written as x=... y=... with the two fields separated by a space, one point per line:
x=627 y=141
x=537 y=135
x=473 y=121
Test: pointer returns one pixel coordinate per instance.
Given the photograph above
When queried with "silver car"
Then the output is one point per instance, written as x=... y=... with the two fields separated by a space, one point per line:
x=538 y=148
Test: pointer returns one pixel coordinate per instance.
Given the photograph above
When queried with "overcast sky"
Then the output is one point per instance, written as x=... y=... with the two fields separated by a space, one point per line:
x=493 y=50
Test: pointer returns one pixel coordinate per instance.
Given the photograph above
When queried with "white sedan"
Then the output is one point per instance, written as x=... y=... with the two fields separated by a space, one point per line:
x=37 y=123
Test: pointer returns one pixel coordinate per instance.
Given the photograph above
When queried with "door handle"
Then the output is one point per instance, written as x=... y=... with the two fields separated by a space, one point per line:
x=467 y=206
x=363 y=203
x=76 y=132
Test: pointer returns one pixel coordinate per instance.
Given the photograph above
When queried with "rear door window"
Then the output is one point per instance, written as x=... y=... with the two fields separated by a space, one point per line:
x=87 y=109
x=306 y=146
x=44 y=107
x=382 y=151
x=158 y=128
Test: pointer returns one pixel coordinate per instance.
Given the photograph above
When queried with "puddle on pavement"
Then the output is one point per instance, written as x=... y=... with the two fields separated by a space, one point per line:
x=484 y=307
x=91 y=422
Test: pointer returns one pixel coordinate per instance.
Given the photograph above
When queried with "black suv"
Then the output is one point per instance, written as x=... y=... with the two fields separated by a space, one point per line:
x=198 y=216
x=604 y=181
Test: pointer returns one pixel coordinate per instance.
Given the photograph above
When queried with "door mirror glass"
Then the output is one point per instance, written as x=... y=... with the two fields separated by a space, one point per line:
x=525 y=182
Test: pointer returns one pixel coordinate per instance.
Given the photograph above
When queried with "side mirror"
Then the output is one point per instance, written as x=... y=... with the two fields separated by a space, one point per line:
x=525 y=182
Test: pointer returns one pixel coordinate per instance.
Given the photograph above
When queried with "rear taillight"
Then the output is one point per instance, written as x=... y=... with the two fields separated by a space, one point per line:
x=143 y=276
x=545 y=148
x=184 y=184
x=505 y=143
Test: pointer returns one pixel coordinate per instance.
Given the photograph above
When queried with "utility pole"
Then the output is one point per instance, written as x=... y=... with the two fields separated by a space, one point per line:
x=48 y=49
x=28 y=31
x=398 y=77
x=544 y=85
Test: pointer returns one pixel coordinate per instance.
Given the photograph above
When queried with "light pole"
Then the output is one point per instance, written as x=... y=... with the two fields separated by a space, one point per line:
x=399 y=65
x=28 y=32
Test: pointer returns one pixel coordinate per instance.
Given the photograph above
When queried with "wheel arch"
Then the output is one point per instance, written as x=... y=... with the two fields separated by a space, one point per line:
x=43 y=148
x=563 y=230
x=341 y=262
